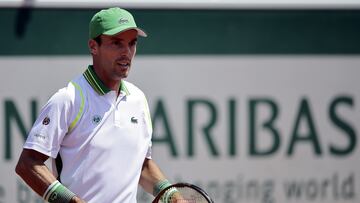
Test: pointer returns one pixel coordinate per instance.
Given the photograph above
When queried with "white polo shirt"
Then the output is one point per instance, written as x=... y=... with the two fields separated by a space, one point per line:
x=102 y=139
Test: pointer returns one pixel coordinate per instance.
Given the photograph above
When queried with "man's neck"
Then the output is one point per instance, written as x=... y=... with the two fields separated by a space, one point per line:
x=108 y=82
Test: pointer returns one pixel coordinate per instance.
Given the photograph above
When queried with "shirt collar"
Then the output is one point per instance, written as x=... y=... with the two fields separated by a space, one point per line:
x=95 y=82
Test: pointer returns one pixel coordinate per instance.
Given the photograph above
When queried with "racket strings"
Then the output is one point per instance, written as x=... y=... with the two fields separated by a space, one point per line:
x=182 y=195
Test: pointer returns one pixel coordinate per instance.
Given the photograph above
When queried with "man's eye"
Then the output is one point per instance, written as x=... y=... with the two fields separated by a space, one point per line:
x=115 y=43
x=133 y=43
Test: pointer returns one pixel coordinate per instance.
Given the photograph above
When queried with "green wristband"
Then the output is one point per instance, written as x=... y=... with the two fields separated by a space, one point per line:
x=58 y=193
x=159 y=186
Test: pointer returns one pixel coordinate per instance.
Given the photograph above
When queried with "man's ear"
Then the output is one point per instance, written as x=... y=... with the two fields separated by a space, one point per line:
x=93 y=46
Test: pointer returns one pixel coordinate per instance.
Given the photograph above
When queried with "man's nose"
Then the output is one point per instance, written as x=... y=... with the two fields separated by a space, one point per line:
x=125 y=50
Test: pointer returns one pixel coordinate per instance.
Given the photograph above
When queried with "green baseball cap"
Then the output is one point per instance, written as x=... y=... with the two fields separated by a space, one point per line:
x=112 y=21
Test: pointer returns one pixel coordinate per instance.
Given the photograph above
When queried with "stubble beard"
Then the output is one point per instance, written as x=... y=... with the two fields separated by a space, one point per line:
x=121 y=72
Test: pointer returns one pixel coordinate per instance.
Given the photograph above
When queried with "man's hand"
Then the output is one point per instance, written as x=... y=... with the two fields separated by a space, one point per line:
x=177 y=198
x=76 y=199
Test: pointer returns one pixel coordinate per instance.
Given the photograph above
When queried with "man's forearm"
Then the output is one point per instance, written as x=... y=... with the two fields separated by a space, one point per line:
x=33 y=171
x=150 y=175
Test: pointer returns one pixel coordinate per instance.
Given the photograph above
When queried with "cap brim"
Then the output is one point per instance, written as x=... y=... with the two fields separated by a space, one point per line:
x=121 y=29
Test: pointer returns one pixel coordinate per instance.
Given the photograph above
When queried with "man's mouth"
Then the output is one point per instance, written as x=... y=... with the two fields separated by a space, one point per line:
x=123 y=64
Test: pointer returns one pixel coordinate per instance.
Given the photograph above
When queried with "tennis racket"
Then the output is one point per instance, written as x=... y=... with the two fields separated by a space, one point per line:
x=182 y=193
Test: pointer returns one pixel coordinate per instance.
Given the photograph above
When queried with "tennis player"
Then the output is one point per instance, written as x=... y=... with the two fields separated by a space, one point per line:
x=96 y=130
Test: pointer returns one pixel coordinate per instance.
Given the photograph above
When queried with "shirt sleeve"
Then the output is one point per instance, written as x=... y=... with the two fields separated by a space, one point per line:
x=148 y=126
x=51 y=126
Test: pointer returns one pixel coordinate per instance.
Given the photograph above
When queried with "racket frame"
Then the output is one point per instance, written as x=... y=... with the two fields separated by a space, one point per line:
x=183 y=184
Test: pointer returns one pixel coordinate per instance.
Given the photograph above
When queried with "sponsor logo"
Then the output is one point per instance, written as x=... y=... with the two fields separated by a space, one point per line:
x=40 y=136
x=46 y=121
x=123 y=20
x=96 y=119
x=53 y=196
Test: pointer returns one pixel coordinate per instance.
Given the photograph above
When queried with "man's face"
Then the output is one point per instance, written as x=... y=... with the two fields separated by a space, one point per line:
x=115 y=54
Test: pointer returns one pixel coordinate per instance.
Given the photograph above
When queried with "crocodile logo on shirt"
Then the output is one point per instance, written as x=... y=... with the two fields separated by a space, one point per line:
x=134 y=120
